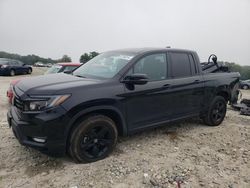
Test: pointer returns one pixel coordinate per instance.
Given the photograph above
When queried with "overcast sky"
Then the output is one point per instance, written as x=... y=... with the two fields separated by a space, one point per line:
x=51 y=28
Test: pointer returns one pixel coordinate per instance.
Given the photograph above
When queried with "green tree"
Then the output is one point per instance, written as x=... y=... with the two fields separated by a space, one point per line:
x=28 y=59
x=93 y=54
x=65 y=58
x=243 y=70
x=84 y=58
x=88 y=56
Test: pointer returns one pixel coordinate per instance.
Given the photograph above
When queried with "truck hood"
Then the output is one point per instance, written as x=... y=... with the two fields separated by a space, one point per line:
x=52 y=84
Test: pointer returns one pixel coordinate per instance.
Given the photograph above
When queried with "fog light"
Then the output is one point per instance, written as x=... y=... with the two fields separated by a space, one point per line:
x=40 y=140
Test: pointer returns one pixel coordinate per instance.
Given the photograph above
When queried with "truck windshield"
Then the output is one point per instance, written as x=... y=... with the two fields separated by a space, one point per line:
x=53 y=69
x=105 y=65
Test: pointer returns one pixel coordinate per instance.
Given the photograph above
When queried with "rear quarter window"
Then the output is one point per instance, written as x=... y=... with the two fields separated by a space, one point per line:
x=180 y=63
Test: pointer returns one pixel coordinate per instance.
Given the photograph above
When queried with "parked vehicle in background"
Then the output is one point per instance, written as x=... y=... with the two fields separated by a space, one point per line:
x=60 y=67
x=13 y=67
x=116 y=93
x=48 y=65
x=63 y=67
x=245 y=84
x=39 y=64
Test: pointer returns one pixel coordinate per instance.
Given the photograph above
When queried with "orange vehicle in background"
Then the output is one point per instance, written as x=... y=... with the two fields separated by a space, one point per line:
x=10 y=90
x=56 y=68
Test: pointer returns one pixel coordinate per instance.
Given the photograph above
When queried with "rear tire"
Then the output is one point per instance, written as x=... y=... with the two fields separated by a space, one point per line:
x=245 y=87
x=12 y=72
x=29 y=71
x=216 y=112
x=93 y=139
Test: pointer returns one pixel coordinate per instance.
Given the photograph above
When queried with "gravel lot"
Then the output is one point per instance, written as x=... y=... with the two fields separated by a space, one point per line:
x=189 y=152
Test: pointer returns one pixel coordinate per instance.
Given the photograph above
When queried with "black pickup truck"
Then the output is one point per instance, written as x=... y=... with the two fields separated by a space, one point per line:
x=116 y=93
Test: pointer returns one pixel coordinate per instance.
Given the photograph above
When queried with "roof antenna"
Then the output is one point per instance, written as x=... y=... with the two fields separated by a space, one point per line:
x=168 y=46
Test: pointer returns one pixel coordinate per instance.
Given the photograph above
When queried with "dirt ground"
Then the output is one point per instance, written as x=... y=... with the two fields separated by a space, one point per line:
x=189 y=152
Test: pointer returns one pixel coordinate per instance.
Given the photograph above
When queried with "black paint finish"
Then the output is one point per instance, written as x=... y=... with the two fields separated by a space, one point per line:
x=132 y=107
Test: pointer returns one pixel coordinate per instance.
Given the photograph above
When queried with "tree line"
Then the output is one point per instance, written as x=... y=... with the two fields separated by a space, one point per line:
x=28 y=59
x=244 y=70
x=32 y=59
x=88 y=56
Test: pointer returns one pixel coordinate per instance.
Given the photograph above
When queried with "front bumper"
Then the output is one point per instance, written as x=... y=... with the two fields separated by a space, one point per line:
x=50 y=127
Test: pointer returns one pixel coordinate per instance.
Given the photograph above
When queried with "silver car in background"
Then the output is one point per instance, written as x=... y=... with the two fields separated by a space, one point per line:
x=245 y=84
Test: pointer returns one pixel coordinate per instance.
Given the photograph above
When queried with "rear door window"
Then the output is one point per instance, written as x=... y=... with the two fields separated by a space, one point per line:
x=12 y=63
x=180 y=63
x=18 y=63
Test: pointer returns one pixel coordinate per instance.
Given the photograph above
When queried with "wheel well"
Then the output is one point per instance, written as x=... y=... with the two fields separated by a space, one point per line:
x=224 y=94
x=112 y=115
x=109 y=113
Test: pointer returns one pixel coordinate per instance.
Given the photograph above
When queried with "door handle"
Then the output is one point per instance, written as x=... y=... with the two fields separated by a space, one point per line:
x=166 y=86
x=197 y=81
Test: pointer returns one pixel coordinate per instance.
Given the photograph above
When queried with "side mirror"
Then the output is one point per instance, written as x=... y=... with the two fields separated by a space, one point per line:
x=137 y=79
x=24 y=64
x=67 y=72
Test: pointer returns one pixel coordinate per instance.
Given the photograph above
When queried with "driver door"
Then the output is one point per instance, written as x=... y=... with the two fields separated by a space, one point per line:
x=148 y=104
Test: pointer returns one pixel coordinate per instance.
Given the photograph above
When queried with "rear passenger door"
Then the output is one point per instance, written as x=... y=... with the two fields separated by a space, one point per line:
x=21 y=68
x=16 y=66
x=13 y=66
x=187 y=86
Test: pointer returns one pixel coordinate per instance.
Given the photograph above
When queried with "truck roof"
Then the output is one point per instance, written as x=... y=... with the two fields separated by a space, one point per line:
x=143 y=50
x=69 y=64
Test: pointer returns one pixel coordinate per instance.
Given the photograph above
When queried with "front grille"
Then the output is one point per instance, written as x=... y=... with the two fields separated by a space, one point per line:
x=18 y=103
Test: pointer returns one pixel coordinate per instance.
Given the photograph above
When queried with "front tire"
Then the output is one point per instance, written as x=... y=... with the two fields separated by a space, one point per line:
x=12 y=72
x=93 y=139
x=29 y=71
x=216 y=112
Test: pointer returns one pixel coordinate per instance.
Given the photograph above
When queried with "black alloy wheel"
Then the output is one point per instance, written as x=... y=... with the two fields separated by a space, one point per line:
x=96 y=142
x=216 y=112
x=93 y=139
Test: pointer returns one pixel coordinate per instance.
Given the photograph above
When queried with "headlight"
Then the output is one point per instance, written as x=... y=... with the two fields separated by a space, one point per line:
x=44 y=102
